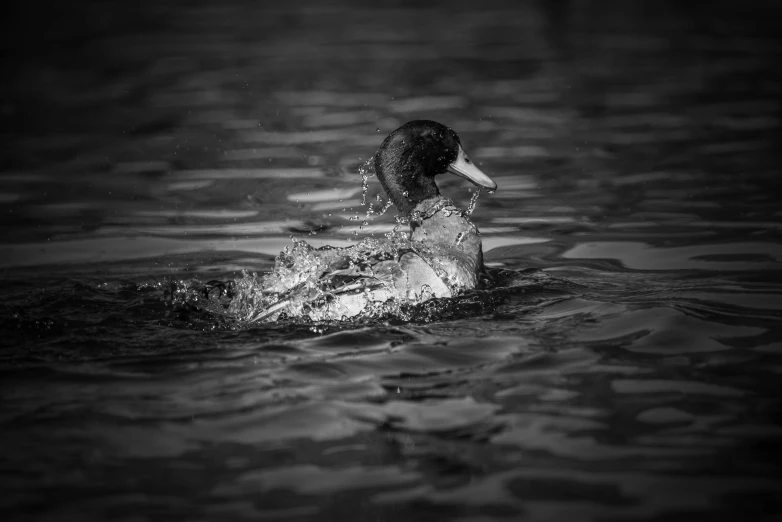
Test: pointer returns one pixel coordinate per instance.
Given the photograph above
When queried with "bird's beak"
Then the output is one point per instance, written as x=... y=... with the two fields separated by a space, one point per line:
x=462 y=166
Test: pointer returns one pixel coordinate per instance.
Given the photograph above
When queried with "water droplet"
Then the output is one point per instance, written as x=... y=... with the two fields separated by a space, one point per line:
x=473 y=202
x=366 y=170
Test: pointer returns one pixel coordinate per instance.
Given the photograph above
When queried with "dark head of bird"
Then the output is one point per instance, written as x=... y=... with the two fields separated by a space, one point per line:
x=410 y=158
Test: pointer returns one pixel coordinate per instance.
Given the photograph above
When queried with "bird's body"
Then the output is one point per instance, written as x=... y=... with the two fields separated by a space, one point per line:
x=441 y=256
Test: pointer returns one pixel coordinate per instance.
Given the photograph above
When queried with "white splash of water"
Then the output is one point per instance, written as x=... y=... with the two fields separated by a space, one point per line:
x=473 y=202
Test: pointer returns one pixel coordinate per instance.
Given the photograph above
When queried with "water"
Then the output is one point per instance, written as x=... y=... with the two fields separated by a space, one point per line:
x=631 y=374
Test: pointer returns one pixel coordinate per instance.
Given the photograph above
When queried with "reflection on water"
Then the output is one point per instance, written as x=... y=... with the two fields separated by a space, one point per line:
x=631 y=372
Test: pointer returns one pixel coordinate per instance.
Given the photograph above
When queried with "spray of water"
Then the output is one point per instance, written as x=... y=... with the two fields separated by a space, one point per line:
x=473 y=202
x=366 y=170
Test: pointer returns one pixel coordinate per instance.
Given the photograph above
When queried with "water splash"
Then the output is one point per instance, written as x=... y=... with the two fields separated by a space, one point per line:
x=366 y=170
x=473 y=202
x=371 y=211
x=235 y=305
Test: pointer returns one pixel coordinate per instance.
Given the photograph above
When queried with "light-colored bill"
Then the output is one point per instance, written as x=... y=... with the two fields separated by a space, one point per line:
x=462 y=166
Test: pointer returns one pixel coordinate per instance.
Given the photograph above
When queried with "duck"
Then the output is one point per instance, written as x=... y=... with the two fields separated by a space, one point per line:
x=440 y=257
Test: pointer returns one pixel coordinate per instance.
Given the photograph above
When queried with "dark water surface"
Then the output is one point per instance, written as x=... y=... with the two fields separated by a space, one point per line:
x=635 y=376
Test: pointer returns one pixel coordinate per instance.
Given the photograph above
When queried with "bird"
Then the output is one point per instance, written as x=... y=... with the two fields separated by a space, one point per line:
x=440 y=257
